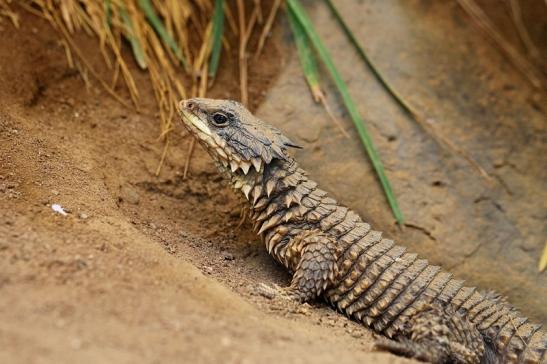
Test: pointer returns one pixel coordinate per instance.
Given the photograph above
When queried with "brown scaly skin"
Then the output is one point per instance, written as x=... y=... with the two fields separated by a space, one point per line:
x=422 y=311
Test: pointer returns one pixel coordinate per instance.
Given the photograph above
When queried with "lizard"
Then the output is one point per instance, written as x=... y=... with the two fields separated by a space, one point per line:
x=418 y=310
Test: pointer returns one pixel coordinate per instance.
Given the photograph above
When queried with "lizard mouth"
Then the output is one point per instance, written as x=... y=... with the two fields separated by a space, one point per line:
x=190 y=118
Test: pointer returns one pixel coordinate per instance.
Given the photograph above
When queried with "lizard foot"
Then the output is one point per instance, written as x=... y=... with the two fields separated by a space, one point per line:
x=410 y=349
x=274 y=291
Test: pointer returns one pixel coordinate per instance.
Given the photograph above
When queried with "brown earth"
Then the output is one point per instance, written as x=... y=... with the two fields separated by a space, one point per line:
x=154 y=269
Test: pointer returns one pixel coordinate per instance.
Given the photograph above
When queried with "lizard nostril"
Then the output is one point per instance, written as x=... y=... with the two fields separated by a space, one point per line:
x=190 y=105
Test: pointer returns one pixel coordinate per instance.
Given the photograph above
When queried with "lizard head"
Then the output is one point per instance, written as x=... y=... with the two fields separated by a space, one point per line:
x=232 y=135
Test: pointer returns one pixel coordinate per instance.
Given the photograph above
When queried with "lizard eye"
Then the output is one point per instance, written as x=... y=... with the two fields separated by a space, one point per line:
x=219 y=119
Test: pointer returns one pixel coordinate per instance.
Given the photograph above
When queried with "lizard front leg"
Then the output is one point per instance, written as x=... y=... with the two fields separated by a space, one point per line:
x=312 y=256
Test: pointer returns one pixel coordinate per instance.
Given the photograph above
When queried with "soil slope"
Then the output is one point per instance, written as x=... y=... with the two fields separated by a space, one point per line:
x=142 y=268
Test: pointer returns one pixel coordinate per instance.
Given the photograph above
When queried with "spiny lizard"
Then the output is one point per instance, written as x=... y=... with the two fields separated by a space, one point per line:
x=422 y=311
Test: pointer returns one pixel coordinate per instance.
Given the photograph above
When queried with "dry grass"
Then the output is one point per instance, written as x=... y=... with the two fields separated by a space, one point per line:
x=527 y=68
x=170 y=40
x=114 y=20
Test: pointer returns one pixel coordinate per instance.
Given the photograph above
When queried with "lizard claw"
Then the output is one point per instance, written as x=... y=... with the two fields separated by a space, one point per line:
x=273 y=291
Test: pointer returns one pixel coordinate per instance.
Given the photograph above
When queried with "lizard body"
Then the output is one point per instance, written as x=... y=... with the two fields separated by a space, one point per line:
x=421 y=310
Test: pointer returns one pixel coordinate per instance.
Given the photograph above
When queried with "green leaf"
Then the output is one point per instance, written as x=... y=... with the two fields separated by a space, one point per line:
x=402 y=103
x=108 y=12
x=305 y=54
x=135 y=44
x=218 y=29
x=298 y=11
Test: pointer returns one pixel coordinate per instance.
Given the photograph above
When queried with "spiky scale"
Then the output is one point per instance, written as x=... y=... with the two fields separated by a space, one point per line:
x=260 y=204
x=462 y=296
x=245 y=166
x=246 y=189
x=234 y=166
x=270 y=186
x=272 y=221
x=288 y=216
x=450 y=290
x=345 y=293
x=257 y=193
x=257 y=163
x=360 y=296
x=381 y=278
x=238 y=183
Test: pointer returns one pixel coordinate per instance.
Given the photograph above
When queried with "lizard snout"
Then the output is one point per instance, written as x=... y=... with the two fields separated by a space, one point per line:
x=189 y=104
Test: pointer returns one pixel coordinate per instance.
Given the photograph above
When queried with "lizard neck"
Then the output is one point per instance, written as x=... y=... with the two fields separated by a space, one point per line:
x=280 y=198
x=261 y=187
x=275 y=196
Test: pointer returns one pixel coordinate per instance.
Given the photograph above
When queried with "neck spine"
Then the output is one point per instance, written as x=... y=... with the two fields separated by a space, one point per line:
x=274 y=194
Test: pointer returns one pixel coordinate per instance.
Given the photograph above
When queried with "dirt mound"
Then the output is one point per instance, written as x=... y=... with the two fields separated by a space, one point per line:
x=141 y=268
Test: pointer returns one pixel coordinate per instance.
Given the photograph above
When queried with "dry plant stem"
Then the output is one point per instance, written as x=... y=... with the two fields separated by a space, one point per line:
x=204 y=80
x=323 y=100
x=259 y=11
x=242 y=51
x=188 y=158
x=90 y=68
x=267 y=27
x=58 y=24
x=250 y=26
x=162 y=159
x=482 y=20
x=32 y=10
x=6 y=11
x=204 y=51
x=68 y=54
x=230 y=19
x=411 y=111
x=428 y=126
x=516 y=11
x=245 y=34
x=95 y=25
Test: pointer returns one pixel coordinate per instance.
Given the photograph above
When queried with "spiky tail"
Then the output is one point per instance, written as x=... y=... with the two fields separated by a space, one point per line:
x=385 y=287
x=508 y=336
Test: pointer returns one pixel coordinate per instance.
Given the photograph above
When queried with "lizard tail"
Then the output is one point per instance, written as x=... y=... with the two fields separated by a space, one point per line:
x=508 y=336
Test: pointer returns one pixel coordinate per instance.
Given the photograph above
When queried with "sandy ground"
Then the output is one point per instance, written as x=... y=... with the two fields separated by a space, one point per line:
x=143 y=268
x=140 y=269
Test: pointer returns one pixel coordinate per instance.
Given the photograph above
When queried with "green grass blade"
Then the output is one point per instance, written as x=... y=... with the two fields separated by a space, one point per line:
x=300 y=14
x=108 y=13
x=402 y=103
x=405 y=106
x=218 y=30
x=135 y=44
x=148 y=9
x=305 y=54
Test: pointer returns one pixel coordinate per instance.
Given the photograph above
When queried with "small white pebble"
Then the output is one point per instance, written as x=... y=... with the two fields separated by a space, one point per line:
x=58 y=209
